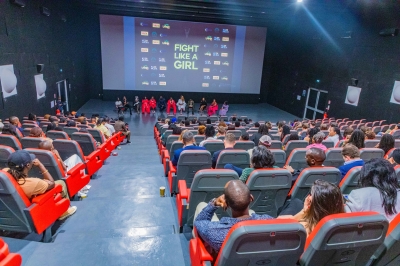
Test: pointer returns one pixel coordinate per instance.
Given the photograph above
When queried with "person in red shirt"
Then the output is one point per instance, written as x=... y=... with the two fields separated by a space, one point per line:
x=171 y=104
x=145 y=106
x=153 y=104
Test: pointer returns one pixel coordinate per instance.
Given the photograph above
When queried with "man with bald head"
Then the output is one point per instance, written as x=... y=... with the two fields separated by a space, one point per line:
x=68 y=164
x=15 y=122
x=315 y=157
x=237 y=197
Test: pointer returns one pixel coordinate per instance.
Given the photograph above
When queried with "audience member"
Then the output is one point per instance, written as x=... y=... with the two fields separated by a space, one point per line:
x=9 y=129
x=68 y=164
x=314 y=157
x=108 y=126
x=208 y=121
x=231 y=127
x=119 y=126
x=244 y=137
x=285 y=130
x=54 y=119
x=229 y=143
x=351 y=157
x=20 y=163
x=379 y=190
x=262 y=130
x=100 y=125
x=386 y=143
x=52 y=126
x=221 y=131
x=324 y=199
x=187 y=123
x=210 y=136
x=15 y=122
x=32 y=117
x=36 y=132
x=317 y=141
x=201 y=130
x=347 y=134
x=357 y=138
x=324 y=127
x=222 y=124
x=188 y=144
x=363 y=129
x=237 y=124
x=261 y=158
x=293 y=136
x=237 y=197
x=334 y=135
x=369 y=134
x=395 y=159
x=311 y=132
x=256 y=124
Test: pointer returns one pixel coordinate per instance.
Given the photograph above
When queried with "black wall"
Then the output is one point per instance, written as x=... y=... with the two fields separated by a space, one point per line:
x=300 y=54
x=28 y=38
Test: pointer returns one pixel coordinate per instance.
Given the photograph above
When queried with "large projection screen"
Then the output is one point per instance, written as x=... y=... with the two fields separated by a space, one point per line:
x=143 y=54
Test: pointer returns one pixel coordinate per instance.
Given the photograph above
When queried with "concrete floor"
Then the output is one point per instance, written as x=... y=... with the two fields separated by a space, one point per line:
x=123 y=221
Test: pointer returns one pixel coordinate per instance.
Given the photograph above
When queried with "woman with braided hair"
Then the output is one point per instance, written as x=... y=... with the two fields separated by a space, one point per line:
x=20 y=163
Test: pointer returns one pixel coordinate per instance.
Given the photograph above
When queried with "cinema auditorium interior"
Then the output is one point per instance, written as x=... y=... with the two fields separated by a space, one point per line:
x=194 y=132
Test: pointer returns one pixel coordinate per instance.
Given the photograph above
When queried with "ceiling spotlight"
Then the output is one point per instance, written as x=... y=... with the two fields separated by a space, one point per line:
x=299 y=1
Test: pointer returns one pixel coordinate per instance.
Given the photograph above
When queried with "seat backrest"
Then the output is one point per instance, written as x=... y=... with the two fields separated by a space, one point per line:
x=5 y=152
x=28 y=125
x=306 y=179
x=31 y=142
x=371 y=143
x=334 y=157
x=294 y=144
x=263 y=242
x=276 y=144
x=53 y=134
x=176 y=145
x=350 y=180
x=328 y=144
x=199 y=138
x=369 y=153
x=276 y=137
x=236 y=132
x=297 y=158
x=389 y=252
x=238 y=158
x=279 y=156
x=66 y=148
x=97 y=135
x=10 y=141
x=213 y=146
x=49 y=160
x=345 y=239
x=26 y=132
x=13 y=201
x=286 y=139
x=189 y=163
x=170 y=140
x=208 y=184
x=86 y=141
x=339 y=144
x=396 y=134
x=269 y=188
x=244 y=145
x=70 y=130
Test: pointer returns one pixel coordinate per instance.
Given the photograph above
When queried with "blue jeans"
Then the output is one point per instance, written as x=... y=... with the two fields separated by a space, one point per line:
x=234 y=168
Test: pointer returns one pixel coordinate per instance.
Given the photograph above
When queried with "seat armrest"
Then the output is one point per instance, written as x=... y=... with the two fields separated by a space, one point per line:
x=41 y=199
x=182 y=189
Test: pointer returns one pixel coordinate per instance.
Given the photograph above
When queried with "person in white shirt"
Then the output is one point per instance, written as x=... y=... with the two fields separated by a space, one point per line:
x=118 y=105
x=181 y=104
x=334 y=135
x=108 y=126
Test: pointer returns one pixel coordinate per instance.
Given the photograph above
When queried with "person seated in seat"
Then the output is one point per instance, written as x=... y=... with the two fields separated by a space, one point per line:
x=36 y=132
x=54 y=119
x=201 y=130
x=237 y=197
x=100 y=125
x=68 y=164
x=324 y=199
x=315 y=157
x=110 y=128
x=224 y=109
x=317 y=141
x=265 y=141
x=237 y=125
x=20 y=163
x=310 y=134
x=244 y=137
x=262 y=130
x=386 y=143
x=357 y=138
x=395 y=159
x=15 y=122
x=188 y=144
x=32 y=117
x=118 y=105
x=221 y=131
x=175 y=131
x=119 y=126
x=324 y=127
x=229 y=143
x=369 y=134
x=162 y=105
x=379 y=190
x=261 y=158
x=210 y=136
x=334 y=135
x=351 y=157
x=9 y=129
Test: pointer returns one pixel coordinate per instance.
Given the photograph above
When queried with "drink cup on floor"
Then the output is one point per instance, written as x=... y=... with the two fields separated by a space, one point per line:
x=162 y=191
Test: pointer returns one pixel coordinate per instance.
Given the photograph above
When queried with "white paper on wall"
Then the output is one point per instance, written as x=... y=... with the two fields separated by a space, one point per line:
x=40 y=86
x=8 y=80
x=395 y=98
x=353 y=95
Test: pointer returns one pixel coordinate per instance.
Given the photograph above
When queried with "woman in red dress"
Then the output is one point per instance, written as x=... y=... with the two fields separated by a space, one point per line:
x=153 y=104
x=145 y=106
x=213 y=108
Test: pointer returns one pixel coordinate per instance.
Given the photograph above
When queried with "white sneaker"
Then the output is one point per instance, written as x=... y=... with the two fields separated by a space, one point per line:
x=82 y=195
x=71 y=210
x=88 y=187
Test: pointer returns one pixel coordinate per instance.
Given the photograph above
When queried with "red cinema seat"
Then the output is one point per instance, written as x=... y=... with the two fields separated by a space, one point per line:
x=18 y=214
x=345 y=239
x=255 y=242
x=10 y=141
x=88 y=145
x=350 y=180
x=7 y=258
x=75 y=179
x=166 y=155
x=53 y=134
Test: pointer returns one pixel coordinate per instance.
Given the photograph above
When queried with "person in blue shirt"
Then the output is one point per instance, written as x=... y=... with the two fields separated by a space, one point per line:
x=351 y=156
x=188 y=144
x=237 y=197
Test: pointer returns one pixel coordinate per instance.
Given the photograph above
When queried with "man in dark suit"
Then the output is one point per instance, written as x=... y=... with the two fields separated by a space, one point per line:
x=188 y=144
x=229 y=143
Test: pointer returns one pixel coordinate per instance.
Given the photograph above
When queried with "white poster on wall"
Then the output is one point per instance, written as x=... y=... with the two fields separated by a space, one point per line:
x=8 y=80
x=396 y=93
x=40 y=86
x=353 y=95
